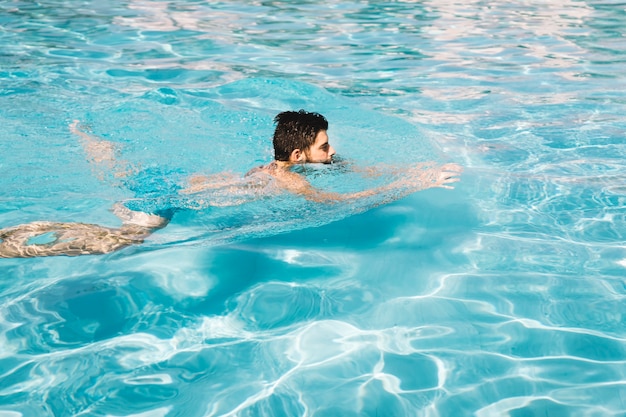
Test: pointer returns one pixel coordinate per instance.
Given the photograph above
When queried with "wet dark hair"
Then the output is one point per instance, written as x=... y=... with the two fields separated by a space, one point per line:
x=296 y=130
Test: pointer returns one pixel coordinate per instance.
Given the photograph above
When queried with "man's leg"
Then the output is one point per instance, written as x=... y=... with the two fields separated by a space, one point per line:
x=73 y=239
x=101 y=153
x=70 y=239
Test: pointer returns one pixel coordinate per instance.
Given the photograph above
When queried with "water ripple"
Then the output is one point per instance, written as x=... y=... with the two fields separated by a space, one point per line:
x=502 y=297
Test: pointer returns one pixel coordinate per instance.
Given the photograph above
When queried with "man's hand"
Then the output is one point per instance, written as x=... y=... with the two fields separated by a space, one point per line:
x=447 y=174
x=422 y=176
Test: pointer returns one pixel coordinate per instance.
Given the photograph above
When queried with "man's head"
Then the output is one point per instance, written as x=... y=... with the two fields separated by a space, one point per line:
x=301 y=137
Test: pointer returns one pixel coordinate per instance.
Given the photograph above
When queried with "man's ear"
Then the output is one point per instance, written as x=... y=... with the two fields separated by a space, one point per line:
x=296 y=156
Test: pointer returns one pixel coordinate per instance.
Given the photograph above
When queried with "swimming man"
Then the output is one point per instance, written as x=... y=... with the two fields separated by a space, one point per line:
x=300 y=137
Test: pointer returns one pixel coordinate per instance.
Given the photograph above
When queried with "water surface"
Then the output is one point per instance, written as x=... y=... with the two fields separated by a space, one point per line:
x=502 y=297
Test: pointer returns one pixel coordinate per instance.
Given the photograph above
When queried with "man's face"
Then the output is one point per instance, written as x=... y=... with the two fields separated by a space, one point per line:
x=320 y=151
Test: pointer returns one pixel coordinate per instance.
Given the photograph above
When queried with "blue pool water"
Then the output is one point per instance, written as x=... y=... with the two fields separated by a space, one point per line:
x=502 y=297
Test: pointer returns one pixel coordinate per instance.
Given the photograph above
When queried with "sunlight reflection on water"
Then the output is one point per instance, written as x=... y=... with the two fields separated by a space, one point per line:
x=501 y=297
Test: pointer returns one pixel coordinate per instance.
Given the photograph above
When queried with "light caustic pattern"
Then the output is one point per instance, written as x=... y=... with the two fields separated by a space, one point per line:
x=502 y=297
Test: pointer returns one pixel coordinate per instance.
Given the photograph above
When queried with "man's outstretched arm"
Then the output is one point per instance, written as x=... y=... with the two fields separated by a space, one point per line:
x=414 y=179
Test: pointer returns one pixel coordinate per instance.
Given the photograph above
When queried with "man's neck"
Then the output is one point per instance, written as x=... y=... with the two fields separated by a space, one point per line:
x=283 y=165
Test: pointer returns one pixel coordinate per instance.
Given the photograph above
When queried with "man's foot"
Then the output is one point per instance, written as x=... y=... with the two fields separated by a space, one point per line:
x=138 y=218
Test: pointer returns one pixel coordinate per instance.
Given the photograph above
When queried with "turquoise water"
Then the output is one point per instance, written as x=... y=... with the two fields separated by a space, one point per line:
x=502 y=297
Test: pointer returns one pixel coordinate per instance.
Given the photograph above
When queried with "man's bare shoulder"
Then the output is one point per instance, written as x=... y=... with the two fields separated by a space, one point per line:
x=284 y=177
